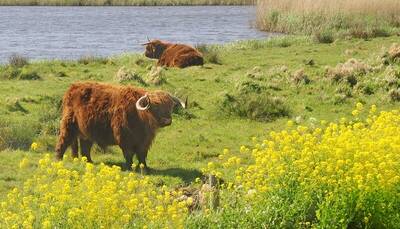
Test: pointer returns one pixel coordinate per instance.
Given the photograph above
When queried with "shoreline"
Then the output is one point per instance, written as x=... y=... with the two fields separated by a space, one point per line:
x=224 y=46
x=138 y=4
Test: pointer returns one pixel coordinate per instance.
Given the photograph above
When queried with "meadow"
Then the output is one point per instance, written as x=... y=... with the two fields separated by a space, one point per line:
x=326 y=20
x=123 y=2
x=292 y=129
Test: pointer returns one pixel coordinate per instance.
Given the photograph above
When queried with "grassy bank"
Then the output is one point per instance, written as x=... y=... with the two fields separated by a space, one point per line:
x=330 y=19
x=123 y=2
x=246 y=89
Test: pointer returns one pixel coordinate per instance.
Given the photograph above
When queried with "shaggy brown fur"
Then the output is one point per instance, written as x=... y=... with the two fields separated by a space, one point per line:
x=173 y=55
x=107 y=115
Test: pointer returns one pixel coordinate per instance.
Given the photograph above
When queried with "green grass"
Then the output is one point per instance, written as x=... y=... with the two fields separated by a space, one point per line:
x=29 y=109
x=123 y=2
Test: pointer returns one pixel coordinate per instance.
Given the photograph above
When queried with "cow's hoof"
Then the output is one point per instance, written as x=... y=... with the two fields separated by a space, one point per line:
x=59 y=157
x=143 y=171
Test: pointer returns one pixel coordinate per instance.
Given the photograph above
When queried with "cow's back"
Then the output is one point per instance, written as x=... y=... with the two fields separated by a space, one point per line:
x=91 y=105
x=179 y=55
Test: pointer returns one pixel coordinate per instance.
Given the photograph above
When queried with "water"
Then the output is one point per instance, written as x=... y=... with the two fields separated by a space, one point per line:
x=72 y=32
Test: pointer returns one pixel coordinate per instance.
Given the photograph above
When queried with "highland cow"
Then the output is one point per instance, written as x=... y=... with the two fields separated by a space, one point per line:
x=173 y=55
x=113 y=115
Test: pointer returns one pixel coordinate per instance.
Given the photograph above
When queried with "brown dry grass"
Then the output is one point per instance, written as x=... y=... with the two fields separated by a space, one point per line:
x=358 y=17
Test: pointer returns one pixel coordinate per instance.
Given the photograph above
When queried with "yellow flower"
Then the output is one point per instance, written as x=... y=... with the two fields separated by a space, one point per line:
x=24 y=163
x=373 y=109
x=34 y=146
x=46 y=224
x=359 y=106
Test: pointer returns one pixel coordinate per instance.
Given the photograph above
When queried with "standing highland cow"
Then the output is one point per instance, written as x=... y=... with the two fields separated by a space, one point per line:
x=113 y=115
x=173 y=55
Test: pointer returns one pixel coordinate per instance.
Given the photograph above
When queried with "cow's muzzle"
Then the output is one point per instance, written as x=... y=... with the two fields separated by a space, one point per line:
x=166 y=122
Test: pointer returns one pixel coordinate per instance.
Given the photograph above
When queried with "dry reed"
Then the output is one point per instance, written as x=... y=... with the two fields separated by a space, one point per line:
x=357 y=18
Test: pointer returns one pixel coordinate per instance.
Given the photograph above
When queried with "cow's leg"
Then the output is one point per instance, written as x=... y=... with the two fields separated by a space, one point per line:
x=74 y=148
x=141 y=155
x=68 y=132
x=128 y=155
x=86 y=146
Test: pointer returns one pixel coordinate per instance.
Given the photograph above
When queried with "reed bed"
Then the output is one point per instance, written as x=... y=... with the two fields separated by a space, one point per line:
x=357 y=18
x=122 y=2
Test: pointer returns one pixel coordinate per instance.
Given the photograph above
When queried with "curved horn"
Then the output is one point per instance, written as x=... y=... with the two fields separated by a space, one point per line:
x=179 y=102
x=139 y=107
x=148 y=41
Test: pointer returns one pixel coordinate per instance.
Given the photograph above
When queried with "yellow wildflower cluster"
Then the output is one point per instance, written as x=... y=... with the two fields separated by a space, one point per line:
x=355 y=158
x=77 y=194
x=361 y=155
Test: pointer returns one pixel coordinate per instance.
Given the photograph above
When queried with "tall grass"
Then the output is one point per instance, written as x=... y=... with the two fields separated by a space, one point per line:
x=123 y=2
x=357 y=18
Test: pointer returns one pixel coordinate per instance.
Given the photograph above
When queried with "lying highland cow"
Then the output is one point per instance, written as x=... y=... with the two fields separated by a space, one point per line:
x=173 y=55
x=113 y=115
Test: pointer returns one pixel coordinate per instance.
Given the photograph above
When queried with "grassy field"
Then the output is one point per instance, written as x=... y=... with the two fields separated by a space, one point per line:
x=327 y=20
x=123 y=2
x=245 y=90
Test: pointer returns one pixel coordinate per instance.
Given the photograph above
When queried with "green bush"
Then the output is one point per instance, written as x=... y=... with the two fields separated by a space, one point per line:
x=9 y=72
x=325 y=37
x=210 y=54
x=17 y=135
x=252 y=100
x=29 y=75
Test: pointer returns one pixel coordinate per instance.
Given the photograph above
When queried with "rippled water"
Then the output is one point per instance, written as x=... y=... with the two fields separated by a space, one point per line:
x=71 y=32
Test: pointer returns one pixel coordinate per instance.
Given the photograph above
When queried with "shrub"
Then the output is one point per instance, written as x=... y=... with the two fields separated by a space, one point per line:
x=252 y=100
x=348 y=71
x=367 y=88
x=392 y=55
x=10 y=73
x=14 y=105
x=255 y=73
x=17 y=61
x=50 y=120
x=210 y=54
x=156 y=76
x=299 y=77
x=394 y=95
x=392 y=77
x=28 y=75
x=60 y=74
x=16 y=134
x=325 y=37
x=124 y=75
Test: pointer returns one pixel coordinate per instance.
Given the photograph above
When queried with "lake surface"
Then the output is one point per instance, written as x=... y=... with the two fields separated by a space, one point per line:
x=72 y=32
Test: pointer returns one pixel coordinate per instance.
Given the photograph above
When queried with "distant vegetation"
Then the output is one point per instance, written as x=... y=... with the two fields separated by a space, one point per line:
x=327 y=20
x=123 y=2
